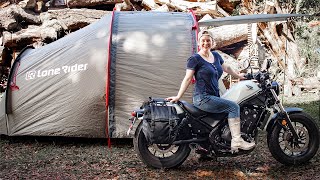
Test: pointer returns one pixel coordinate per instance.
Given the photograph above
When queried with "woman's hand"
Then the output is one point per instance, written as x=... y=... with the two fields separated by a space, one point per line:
x=173 y=99
x=241 y=76
x=226 y=68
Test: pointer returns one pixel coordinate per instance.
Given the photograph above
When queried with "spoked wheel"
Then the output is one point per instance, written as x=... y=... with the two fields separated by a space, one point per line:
x=286 y=150
x=159 y=155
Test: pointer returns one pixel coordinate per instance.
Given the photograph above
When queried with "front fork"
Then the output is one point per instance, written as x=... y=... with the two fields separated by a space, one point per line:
x=286 y=122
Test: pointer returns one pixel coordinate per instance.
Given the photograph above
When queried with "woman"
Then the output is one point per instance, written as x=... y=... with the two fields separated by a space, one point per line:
x=207 y=67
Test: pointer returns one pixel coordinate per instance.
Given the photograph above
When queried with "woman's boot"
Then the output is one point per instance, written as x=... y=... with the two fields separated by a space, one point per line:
x=237 y=142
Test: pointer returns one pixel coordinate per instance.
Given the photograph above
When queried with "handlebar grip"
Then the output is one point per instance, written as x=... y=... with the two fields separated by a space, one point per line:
x=249 y=76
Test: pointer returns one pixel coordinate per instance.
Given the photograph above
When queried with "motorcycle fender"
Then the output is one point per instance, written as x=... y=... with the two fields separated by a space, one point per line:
x=137 y=130
x=276 y=116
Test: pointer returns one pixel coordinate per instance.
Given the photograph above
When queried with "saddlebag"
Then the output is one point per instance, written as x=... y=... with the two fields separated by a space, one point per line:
x=160 y=121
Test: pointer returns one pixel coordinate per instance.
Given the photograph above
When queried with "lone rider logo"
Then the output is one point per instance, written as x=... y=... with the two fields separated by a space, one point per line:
x=31 y=75
x=56 y=71
x=249 y=87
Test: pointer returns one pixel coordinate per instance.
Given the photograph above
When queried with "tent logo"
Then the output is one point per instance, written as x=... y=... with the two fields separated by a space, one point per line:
x=51 y=72
x=31 y=75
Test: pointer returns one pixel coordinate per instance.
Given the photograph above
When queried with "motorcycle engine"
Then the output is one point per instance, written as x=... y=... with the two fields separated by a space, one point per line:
x=226 y=134
x=249 y=117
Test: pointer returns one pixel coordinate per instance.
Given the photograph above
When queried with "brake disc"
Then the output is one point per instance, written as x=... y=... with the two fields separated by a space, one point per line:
x=302 y=143
x=163 y=148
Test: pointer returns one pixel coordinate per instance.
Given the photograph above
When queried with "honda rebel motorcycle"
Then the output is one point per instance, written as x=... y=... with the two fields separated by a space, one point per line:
x=292 y=135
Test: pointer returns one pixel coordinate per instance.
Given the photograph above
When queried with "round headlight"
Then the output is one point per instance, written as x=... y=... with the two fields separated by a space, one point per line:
x=276 y=87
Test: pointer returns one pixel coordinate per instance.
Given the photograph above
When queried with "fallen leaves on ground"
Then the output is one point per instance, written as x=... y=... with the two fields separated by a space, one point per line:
x=31 y=159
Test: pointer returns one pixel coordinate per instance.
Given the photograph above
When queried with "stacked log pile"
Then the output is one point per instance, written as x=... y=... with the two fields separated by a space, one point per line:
x=39 y=22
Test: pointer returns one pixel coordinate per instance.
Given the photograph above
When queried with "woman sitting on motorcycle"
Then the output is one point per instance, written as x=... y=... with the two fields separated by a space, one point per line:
x=207 y=67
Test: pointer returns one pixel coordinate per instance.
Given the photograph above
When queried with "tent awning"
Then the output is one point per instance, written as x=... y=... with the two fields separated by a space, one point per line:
x=245 y=19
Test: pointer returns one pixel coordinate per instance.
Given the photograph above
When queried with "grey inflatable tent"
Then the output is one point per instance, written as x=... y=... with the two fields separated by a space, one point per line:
x=87 y=83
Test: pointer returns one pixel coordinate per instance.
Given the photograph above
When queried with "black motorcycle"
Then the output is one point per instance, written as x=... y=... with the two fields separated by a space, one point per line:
x=292 y=135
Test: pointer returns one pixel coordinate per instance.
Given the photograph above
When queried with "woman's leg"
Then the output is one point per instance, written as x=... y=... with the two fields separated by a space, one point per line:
x=215 y=104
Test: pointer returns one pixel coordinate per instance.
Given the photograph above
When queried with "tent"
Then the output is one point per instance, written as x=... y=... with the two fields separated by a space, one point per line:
x=87 y=83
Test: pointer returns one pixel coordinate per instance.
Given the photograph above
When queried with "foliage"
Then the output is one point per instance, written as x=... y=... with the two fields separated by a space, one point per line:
x=308 y=39
x=312 y=108
x=307 y=6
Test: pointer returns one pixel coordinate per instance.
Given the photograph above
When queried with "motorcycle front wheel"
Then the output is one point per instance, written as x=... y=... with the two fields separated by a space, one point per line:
x=159 y=155
x=283 y=147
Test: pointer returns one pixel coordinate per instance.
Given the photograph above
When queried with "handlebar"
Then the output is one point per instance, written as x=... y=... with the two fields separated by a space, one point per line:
x=259 y=76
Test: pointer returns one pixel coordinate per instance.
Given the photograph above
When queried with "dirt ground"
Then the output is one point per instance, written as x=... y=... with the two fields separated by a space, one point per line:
x=82 y=159
x=69 y=158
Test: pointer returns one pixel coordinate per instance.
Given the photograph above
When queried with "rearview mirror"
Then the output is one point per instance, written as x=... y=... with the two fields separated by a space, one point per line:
x=269 y=62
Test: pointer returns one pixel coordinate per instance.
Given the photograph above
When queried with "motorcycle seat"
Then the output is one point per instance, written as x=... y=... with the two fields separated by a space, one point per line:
x=193 y=110
x=198 y=113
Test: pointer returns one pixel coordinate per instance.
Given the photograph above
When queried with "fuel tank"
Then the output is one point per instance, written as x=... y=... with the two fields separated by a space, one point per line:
x=241 y=91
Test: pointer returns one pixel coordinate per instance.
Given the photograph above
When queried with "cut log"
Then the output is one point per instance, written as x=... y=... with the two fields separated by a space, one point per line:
x=29 y=36
x=54 y=22
x=1 y=54
x=12 y=15
x=149 y=4
x=310 y=83
x=5 y=56
x=4 y=4
x=74 y=19
x=222 y=11
x=287 y=88
x=229 y=34
x=169 y=4
x=125 y=6
x=204 y=18
x=232 y=62
x=228 y=5
x=296 y=90
x=199 y=7
x=88 y=3
x=27 y=4
x=314 y=23
x=163 y=8
x=39 y=6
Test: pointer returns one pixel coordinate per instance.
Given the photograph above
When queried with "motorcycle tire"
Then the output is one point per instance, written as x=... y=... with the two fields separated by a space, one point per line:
x=288 y=153
x=178 y=153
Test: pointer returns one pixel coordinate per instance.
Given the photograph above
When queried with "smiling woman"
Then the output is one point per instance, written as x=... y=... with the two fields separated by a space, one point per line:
x=207 y=68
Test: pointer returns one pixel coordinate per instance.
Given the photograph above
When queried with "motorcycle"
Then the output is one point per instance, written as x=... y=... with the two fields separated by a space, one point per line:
x=292 y=135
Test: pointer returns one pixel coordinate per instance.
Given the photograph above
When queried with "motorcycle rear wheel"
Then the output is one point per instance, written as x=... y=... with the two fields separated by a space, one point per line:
x=159 y=155
x=281 y=144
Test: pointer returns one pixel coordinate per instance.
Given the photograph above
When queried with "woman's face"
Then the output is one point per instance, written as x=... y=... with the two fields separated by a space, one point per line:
x=205 y=42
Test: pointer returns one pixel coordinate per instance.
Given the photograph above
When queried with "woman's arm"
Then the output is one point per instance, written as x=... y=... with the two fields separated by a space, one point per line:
x=184 y=86
x=226 y=68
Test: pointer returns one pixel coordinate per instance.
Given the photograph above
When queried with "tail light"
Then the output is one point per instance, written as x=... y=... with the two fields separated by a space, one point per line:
x=137 y=113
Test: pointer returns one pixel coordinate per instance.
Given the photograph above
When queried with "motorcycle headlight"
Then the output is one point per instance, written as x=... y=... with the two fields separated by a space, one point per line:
x=276 y=87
